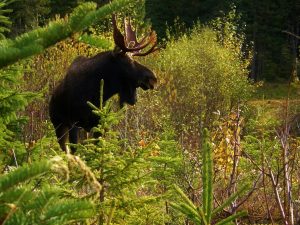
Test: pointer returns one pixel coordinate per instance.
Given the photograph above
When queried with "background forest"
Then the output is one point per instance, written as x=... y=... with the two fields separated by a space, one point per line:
x=216 y=142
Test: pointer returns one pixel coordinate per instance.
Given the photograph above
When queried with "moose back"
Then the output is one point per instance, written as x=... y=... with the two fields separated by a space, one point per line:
x=122 y=75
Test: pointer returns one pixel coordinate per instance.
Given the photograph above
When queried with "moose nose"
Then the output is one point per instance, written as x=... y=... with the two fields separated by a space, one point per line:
x=152 y=82
x=149 y=81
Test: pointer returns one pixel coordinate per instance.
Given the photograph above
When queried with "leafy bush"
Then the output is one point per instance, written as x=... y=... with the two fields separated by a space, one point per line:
x=203 y=74
x=199 y=81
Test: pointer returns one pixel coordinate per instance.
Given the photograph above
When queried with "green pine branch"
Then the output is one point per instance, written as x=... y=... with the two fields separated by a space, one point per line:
x=68 y=210
x=4 y=20
x=96 y=41
x=207 y=175
x=189 y=212
x=36 y=41
x=26 y=201
x=23 y=174
x=186 y=200
x=205 y=214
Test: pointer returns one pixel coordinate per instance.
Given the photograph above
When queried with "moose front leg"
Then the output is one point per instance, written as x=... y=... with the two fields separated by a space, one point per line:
x=73 y=137
x=61 y=132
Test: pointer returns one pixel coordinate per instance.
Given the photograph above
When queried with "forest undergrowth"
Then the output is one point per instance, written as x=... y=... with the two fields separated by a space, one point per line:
x=206 y=146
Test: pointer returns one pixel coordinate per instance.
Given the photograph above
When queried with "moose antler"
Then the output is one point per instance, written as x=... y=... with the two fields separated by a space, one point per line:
x=129 y=43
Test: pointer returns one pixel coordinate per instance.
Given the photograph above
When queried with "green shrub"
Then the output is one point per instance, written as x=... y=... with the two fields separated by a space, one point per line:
x=199 y=80
x=205 y=75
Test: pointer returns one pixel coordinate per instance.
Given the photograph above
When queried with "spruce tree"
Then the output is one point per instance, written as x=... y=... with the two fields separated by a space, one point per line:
x=25 y=191
x=5 y=22
x=11 y=102
x=119 y=168
x=62 y=7
x=28 y=14
x=25 y=45
x=36 y=41
x=204 y=214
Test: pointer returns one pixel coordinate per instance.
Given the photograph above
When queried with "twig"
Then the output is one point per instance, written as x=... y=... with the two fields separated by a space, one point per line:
x=250 y=193
x=15 y=158
x=278 y=197
x=290 y=33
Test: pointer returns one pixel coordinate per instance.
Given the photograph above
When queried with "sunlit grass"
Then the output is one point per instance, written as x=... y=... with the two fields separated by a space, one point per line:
x=276 y=101
x=278 y=91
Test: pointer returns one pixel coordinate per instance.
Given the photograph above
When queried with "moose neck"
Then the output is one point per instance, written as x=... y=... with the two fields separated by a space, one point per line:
x=108 y=68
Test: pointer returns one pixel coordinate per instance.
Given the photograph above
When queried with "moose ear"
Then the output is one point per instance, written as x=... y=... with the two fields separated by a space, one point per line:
x=119 y=38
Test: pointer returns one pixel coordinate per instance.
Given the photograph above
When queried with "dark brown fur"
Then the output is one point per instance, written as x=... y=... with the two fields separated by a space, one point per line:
x=68 y=106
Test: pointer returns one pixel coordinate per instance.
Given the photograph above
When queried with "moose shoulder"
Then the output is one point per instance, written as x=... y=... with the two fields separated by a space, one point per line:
x=121 y=74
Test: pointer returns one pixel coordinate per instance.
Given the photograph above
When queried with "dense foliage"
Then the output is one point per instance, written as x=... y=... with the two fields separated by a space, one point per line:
x=196 y=150
x=264 y=23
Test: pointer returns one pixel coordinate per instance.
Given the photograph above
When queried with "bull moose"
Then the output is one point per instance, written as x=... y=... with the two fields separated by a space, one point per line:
x=122 y=75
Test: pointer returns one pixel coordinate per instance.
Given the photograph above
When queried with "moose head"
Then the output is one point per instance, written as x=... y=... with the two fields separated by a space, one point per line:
x=122 y=75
